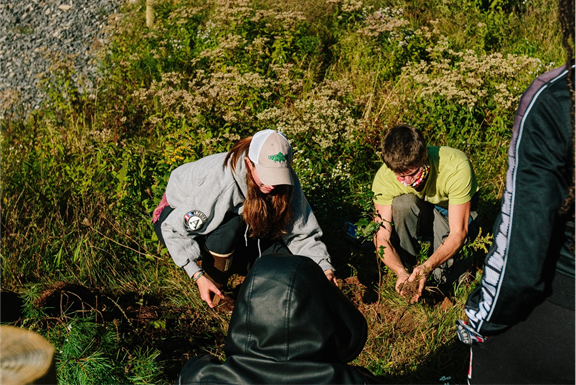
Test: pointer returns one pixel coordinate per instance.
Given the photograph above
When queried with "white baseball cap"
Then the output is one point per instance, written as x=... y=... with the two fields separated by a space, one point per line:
x=271 y=153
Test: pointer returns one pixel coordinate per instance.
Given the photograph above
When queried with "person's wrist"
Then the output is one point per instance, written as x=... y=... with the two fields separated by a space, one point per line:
x=402 y=273
x=197 y=275
x=425 y=269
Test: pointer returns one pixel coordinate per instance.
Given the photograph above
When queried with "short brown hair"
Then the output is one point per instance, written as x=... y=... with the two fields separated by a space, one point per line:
x=404 y=149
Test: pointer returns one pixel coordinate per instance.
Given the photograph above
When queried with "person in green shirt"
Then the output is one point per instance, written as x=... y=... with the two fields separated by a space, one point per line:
x=422 y=191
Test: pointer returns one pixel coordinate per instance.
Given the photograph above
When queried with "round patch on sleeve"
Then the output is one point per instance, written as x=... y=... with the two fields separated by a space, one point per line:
x=194 y=220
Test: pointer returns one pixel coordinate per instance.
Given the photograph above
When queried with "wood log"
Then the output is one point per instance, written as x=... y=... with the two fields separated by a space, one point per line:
x=150 y=13
x=25 y=357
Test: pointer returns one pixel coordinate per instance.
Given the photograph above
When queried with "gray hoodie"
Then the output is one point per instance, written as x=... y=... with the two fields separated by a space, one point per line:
x=210 y=190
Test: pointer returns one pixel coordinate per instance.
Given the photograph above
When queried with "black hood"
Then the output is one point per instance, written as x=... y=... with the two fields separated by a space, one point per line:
x=289 y=325
x=287 y=310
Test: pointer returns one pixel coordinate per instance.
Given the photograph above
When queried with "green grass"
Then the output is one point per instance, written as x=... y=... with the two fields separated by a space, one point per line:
x=81 y=176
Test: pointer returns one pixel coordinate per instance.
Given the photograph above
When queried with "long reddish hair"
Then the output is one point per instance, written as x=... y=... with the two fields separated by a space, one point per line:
x=266 y=214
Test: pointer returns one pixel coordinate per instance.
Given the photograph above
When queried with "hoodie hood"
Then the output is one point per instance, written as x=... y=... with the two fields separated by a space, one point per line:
x=287 y=310
x=289 y=325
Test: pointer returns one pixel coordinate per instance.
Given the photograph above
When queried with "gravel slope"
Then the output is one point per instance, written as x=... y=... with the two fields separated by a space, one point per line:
x=33 y=30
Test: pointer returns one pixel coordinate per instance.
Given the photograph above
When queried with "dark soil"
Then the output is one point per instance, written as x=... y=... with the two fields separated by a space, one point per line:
x=10 y=306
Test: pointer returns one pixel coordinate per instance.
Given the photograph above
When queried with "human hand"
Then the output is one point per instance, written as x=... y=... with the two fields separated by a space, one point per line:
x=402 y=278
x=206 y=287
x=419 y=274
x=331 y=277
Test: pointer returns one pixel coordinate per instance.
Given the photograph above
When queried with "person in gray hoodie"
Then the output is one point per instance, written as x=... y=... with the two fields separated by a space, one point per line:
x=220 y=213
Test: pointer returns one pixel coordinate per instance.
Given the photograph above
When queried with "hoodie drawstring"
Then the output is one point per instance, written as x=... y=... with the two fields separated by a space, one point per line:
x=246 y=241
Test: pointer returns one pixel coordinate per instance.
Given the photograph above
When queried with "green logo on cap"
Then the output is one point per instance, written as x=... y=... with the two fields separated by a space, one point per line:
x=277 y=158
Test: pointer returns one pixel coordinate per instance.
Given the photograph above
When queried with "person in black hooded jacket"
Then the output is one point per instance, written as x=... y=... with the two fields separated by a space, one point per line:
x=290 y=325
x=521 y=317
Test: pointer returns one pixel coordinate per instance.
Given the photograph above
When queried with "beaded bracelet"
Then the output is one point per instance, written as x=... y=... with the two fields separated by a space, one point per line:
x=200 y=273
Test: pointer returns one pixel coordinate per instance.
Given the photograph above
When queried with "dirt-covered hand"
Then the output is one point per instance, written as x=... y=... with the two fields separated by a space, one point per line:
x=402 y=278
x=206 y=287
x=420 y=275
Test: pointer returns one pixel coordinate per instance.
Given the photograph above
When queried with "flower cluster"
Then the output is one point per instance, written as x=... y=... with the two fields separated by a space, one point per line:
x=348 y=5
x=226 y=94
x=469 y=79
x=384 y=20
x=322 y=117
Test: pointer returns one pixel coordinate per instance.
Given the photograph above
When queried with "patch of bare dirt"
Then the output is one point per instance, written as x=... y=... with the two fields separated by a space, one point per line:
x=224 y=305
x=354 y=289
x=446 y=304
x=65 y=298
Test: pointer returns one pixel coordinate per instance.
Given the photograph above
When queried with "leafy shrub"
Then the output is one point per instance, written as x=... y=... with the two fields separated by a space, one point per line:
x=474 y=87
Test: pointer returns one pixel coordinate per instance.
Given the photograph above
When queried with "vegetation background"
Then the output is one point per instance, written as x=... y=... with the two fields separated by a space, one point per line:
x=81 y=176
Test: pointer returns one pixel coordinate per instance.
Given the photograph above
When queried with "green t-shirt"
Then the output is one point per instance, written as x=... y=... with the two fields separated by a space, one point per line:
x=451 y=180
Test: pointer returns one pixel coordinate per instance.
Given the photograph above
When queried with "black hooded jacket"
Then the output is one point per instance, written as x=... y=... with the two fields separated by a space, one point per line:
x=290 y=325
x=532 y=259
